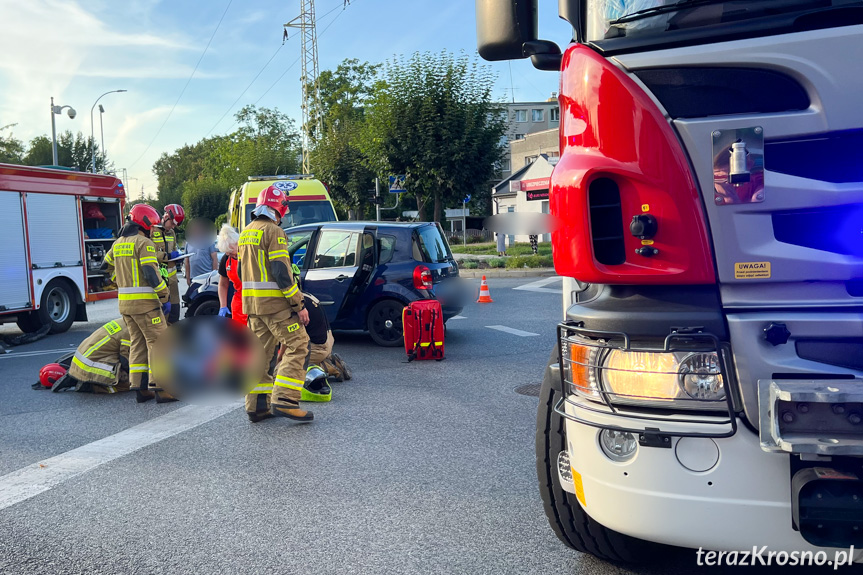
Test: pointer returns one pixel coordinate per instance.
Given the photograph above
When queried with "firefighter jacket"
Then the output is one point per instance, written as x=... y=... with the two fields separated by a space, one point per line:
x=139 y=283
x=269 y=285
x=98 y=357
x=165 y=242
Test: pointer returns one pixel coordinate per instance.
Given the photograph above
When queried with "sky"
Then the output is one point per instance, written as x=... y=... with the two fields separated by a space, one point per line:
x=75 y=50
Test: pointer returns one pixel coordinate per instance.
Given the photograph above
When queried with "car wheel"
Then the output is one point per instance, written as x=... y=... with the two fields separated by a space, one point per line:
x=384 y=323
x=207 y=306
x=57 y=309
x=572 y=525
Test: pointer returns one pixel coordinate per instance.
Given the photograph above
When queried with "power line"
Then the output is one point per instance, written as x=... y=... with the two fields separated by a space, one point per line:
x=288 y=69
x=183 y=91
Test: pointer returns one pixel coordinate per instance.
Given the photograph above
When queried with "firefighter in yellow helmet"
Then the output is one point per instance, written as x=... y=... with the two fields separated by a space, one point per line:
x=165 y=239
x=143 y=296
x=274 y=304
x=101 y=360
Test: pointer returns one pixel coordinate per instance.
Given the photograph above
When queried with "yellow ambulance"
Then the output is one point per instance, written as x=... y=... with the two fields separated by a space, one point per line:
x=309 y=202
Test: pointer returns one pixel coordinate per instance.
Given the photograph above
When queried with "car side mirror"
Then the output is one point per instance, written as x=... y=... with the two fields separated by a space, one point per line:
x=504 y=26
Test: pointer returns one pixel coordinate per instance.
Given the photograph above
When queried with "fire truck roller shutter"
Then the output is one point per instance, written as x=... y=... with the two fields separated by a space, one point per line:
x=13 y=257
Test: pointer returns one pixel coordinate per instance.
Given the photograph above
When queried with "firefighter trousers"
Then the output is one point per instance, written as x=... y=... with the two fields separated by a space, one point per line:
x=144 y=331
x=318 y=352
x=284 y=386
x=174 y=298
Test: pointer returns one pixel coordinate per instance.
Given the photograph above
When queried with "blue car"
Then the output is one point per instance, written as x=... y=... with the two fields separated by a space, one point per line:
x=365 y=273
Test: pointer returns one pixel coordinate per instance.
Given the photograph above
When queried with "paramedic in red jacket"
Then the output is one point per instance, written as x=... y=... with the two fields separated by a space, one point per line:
x=227 y=244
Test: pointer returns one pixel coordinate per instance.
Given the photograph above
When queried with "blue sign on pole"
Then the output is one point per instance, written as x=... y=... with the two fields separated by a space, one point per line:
x=397 y=185
x=467 y=199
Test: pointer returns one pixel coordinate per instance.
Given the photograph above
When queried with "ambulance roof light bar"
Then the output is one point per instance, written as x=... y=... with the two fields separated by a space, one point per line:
x=285 y=177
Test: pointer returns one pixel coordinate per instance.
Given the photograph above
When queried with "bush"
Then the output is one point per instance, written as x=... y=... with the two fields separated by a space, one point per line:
x=524 y=249
x=529 y=262
x=221 y=220
x=476 y=248
x=496 y=262
x=470 y=264
x=476 y=240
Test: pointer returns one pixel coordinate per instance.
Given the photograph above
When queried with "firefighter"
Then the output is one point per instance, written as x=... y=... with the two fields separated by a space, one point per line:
x=321 y=342
x=102 y=360
x=164 y=237
x=274 y=304
x=132 y=258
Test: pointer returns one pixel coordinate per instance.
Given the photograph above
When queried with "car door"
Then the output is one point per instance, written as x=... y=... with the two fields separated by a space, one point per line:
x=330 y=272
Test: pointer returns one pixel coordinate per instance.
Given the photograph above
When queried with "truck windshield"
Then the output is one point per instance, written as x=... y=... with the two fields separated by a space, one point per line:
x=302 y=212
x=651 y=19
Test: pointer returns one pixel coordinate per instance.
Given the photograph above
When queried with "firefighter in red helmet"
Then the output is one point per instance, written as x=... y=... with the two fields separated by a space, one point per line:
x=143 y=296
x=165 y=239
x=274 y=304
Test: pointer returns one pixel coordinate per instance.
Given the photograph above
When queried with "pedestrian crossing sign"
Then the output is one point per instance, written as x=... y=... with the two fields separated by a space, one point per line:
x=397 y=185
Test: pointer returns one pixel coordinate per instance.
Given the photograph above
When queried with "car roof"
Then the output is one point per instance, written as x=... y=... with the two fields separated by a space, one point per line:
x=358 y=226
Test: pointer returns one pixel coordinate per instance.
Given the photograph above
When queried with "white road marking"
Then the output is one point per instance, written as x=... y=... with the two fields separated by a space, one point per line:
x=512 y=330
x=39 y=477
x=458 y=317
x=11 y=354
x=539 y=286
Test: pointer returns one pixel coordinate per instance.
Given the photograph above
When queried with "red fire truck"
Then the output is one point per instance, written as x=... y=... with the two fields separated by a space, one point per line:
x=55 y=226
x=707 y=387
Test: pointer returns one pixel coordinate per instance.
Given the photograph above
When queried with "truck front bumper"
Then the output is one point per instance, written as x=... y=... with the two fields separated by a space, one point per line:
x=740 y=501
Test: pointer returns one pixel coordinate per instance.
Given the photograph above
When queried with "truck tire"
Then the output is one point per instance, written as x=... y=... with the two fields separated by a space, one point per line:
x=572 y=525
x=58 y=309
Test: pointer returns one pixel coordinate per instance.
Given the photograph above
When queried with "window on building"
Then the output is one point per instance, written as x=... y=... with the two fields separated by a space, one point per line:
x=554 y=115
x=506 y=165
x=537 y=115
x=519 y=136
x=521 y=115
x=529 y=159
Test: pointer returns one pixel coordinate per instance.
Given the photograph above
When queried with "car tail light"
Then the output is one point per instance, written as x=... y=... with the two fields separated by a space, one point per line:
x=422 y=278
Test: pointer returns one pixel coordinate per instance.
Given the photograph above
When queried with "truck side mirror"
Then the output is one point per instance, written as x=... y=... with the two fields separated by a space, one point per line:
x=503 y=27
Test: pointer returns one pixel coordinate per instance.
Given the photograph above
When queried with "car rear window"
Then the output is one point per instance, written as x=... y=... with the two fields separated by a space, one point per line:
x=432 y=245
x=387 y=248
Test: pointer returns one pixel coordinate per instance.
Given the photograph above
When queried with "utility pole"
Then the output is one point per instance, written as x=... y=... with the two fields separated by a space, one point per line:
x=306 y=24
x=377 y=201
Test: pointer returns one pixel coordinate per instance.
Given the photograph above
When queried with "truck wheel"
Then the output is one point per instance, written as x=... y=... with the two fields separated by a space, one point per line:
x=384 y=323
x=57 y=310
x=568 y=520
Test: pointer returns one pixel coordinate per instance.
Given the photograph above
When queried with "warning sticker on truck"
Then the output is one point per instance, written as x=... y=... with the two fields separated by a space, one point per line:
x=751 y=270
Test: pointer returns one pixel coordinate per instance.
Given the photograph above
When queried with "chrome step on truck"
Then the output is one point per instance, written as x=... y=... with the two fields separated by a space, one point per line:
x=709 y=194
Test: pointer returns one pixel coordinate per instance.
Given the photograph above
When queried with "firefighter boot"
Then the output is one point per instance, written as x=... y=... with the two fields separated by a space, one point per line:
x=291 y=411
x=143 y=393
x=262 y=410
x=163 y=396
x=64 y=382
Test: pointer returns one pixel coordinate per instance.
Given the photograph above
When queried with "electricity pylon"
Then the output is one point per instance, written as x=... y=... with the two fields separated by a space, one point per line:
x=305 y=23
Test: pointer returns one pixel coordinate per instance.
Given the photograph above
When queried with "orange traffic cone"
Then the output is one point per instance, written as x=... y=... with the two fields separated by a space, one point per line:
x=484 y=295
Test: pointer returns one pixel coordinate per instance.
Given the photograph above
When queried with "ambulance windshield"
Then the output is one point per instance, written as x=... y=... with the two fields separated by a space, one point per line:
x=652 y=19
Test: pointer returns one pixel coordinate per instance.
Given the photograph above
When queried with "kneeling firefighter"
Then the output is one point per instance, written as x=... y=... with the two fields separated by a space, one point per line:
x=101 y=362
x=275 y=307
x=321 y=342
x=143 y=296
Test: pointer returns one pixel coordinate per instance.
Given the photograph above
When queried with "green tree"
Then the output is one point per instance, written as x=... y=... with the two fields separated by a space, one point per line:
x=73 y=151
x=337 y=157
x=433 y=118
x=205 y=198
x=186 y=164
x=11 y=148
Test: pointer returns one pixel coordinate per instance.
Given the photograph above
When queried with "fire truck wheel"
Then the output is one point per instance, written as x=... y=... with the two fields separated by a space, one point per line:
x=59 y=306
x=568 y=520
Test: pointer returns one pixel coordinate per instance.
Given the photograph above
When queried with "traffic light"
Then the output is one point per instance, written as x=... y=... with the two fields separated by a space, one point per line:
x=376 y=200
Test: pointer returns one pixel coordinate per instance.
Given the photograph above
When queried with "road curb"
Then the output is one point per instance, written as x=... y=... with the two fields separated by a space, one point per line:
x=504 y=273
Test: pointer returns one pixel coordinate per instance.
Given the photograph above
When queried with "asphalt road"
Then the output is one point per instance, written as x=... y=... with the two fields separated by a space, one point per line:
x=424 y=467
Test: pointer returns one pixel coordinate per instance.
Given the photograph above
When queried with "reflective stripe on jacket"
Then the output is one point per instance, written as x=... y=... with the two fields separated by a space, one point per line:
x=262 y=243
x=129 y=257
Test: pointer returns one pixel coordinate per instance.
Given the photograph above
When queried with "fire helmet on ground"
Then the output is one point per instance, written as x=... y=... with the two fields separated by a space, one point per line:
x=144 y=215
x=50 y=373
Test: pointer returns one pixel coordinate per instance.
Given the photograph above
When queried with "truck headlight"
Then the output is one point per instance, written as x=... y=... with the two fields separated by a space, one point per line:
x=678 y=379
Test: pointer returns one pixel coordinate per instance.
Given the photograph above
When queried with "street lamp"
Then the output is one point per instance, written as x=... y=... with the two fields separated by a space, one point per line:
x=102 y=127
x=58 y=110
x=93 y=130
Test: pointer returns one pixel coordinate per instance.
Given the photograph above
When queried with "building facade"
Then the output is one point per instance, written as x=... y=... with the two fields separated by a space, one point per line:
x=526 y=118
x=525 y=192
